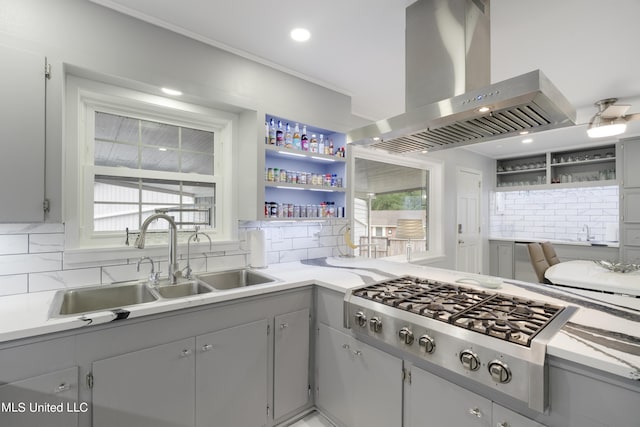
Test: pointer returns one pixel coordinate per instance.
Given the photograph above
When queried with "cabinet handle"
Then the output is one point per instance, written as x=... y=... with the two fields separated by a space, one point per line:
x=475 y=412
x=207 y=347
x=284 y=325
x=62 y=388
x=345 y=346
x=503 y=424
x=186 y=352
x=357 y=353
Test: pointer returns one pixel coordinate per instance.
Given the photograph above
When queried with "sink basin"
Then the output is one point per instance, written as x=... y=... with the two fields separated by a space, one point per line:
x=183 y=289
x=234 y=279
x=95 y=298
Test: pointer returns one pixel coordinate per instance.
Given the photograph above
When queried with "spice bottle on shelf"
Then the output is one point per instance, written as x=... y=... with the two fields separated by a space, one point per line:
x=321 y=146
x=313 y=144
x=296 y=138
x=266 y=133
x=304 y=140
x=279 y=135
x=288 y=137
x=331 y=153
x=272 y=132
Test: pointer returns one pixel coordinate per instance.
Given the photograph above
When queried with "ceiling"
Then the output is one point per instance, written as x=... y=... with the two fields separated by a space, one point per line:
x=585 y=47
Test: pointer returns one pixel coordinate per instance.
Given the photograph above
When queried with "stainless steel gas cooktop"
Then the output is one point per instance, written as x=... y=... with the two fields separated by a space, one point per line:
x=496 y=339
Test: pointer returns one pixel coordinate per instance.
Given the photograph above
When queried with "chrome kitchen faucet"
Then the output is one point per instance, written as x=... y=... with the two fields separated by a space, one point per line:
x=174 y=272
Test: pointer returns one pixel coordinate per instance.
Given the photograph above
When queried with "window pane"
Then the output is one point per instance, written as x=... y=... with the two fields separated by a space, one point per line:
x=115 y=217
x=115 y=154
x=197 y=163
x=158 y=160
x=384 y=194
x=161 y=192
x=116 y=128
x=197 y=140
x=159 y=134
x=112 y=189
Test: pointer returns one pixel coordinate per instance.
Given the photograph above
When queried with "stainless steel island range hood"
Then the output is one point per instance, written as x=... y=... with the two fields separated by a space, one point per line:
x=449 y=100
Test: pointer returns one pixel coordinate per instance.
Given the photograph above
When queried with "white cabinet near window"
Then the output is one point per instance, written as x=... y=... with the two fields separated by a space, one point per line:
x=357 y=385
x=22 y=136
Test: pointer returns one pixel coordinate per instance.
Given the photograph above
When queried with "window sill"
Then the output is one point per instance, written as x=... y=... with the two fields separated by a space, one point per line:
x=89 y=257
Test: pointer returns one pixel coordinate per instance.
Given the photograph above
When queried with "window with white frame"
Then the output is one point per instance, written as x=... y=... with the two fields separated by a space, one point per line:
x=138 y=154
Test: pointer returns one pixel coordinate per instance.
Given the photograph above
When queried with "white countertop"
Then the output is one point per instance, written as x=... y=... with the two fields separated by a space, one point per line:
x=588 y=275
x=602 y=334
x=595 y=243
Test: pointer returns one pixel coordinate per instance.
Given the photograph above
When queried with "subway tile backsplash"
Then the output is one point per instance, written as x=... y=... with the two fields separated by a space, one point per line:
x=32 y=255
x=555 y=214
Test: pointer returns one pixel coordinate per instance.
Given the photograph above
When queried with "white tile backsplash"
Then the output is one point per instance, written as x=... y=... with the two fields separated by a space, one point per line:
x=31 y=255
x=554 y=214
x=16 y=284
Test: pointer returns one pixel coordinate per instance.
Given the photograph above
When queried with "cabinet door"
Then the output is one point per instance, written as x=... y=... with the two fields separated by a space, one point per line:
x=335 y=375
x=21 y=399
x=503 y=417
x=22 y=89
x=378 y=390
x=434 y=401
x=631 y=172
x=152 y=387
x=291 y=362
x=231 y=376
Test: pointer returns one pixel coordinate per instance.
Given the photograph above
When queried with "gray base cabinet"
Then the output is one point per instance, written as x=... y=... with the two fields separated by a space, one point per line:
x=231 y=376
x=291 y=363
x=152 y=387
x=357 y=385
x=46 y=400
x=434 y=401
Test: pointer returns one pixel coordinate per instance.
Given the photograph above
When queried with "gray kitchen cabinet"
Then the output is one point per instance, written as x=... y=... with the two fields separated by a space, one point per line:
x=22 y=136
x=357 y=385
x=152 y=387
x=630 y=170
x=501 y=259
x=50 y=399
x=291 y=363
x=630 y=201
x=503 y=417
x=231 y=376
x=434 y=401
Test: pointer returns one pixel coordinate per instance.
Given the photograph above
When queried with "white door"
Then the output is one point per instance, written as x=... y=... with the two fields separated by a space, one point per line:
x=469 y=187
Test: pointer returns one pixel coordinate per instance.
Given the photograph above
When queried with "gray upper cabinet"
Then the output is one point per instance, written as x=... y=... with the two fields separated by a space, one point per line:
x=631 y=154
x=291 y=363
x=231 y=376
x=22 y=136
x=630 y=201
x=153 y=387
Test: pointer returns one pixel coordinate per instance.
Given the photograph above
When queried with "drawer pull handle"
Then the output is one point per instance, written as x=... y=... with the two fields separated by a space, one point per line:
x=207 y=347
x=186 y=352
x=284 y=325
x=62 y=388
x=475 y=412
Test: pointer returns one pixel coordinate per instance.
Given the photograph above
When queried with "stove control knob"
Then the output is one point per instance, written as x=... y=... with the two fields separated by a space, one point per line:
x=406 y=335
x=375 y=324
x=361 y=319
x=469 y=360
x=499 y=371
x=428 y=343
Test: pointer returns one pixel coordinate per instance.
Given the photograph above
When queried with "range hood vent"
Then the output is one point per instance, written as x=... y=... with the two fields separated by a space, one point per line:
x=527 y=103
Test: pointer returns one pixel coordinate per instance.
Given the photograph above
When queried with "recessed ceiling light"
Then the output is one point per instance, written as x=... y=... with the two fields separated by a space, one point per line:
x=527 y=141
x=424 y=151
x=300 y=34
x=484 y=109
x=524 y=132
x=172 y=92
x=162 y=149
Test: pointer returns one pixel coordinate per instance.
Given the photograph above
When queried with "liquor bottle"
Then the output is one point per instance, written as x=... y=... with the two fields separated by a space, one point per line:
x=288 y=137
x=296 y=138
x=266 y=133
x=331 y=153
x=313 y=143
x=279 y=135
x=272 y=132
x=321 y=146
x=304 y=141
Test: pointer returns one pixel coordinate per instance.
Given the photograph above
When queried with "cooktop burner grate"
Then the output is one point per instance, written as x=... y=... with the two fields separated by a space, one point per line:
x=505 y=317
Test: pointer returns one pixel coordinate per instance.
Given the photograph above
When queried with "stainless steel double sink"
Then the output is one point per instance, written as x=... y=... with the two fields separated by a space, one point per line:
x=121 y=295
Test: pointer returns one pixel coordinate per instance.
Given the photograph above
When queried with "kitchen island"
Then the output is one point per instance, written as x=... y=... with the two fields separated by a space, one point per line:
x=600 y=340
